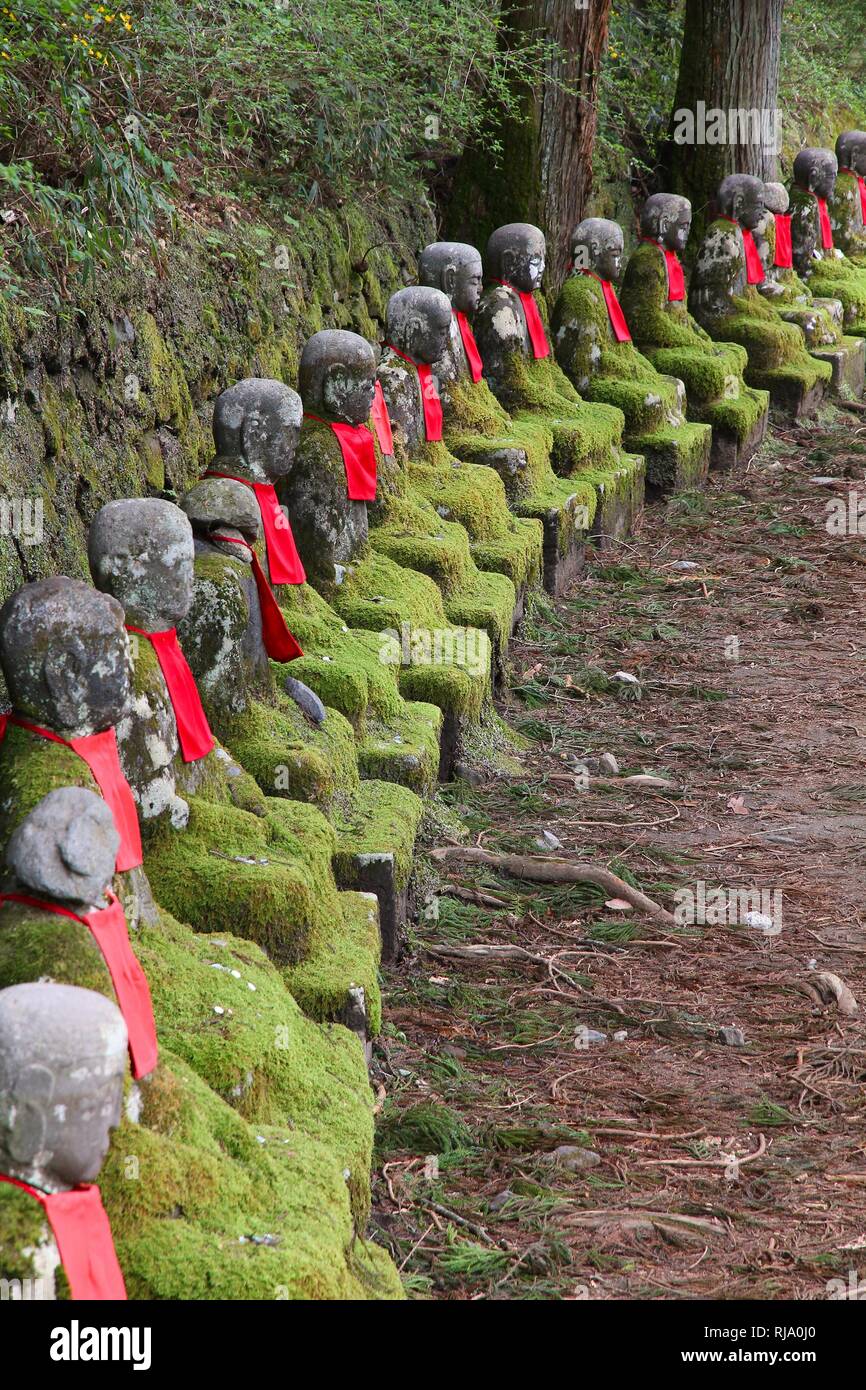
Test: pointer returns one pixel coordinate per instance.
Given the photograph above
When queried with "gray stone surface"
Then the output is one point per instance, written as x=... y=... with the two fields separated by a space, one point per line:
x=62 y=1064
x=141 y=552
x=65 y=849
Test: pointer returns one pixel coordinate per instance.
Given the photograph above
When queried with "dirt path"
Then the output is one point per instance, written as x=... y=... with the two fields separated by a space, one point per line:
x=693 y=1168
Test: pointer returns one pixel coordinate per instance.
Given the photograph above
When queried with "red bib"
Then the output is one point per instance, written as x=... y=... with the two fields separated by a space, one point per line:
x=784 y=258
x=193 y=730
x=382 y=422
x=359 y=456
x=673 y=269
x=108 y=926
x=861 y=184
x=99 y=751
x=823 y=220
x=430 y=401
x=614 y=308
x=534 y=324
x=80 y=1227
x=284 y=562
x=280 y=645
x=754 y=266
x=470 y=347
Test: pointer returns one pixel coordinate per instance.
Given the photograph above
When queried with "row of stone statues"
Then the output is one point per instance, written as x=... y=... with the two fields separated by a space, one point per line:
x=217 y=754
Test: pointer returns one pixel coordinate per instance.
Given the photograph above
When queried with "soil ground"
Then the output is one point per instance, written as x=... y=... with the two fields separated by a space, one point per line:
x=693 y=1167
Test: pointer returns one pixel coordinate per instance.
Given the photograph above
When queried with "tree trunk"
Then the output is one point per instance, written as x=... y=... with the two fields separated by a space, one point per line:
x=544 y=172
x=730 y=63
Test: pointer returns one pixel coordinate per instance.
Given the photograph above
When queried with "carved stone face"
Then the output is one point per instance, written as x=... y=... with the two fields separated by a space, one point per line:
x=141 y=552
x=597 y=245
x=419 y=322
x=776 y=197
x=219 y=506
x=851 y=151
x=454 y=268
x=65 y=656
x=816 y=169
x=516 y=253
x=62 y=1063
x=65 y=849
x=667 y=219
x=337 y=376
x=256 y=426
x=742 y=197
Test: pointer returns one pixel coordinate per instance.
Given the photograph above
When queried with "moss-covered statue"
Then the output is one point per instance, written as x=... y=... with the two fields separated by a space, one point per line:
x=62 y=1062
x=372 y=589
x=819 y=319
x=256 y=430
x=478 y=429
x=418 y=331
x=193 y=797
x=521 y=370
x=847 y=202
x=823 y=265
x=725 y=299
x=251 y=1120
x=304 y=754
x=653 y=298
x=594 y=347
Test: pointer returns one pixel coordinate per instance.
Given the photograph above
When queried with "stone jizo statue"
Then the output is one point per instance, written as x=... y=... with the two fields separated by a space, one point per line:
x=62 y=1064
x=817 y=258
x=847 y=203
x=418 y=331
x=337 y=382
x=65 y=849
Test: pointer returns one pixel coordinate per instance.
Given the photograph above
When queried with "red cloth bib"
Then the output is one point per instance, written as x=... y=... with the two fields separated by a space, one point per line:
x=430 y=401
x=193 y=730
x=754 y=265
x=470 y=347
x=359 y=456
x=80 y=1227
x=861 y=184
x=534 y=324
x=108 y=926
x=674 y=271
x=614 y=308
x=784 y=258
x=382 y=422
x=823 y=220
x=99 y=751
x=280 y=645
x=284 y=562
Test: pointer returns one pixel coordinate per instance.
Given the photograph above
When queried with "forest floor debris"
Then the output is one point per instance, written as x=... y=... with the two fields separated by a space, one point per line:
x=732 y=1163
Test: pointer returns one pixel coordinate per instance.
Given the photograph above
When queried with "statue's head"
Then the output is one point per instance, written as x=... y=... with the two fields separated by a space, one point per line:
x=222 y=507
x=141 y=552
x=62 y=1064
x=816 y=170
x=454 y=268
x=667 y=219
x=516 y=253
x=418 y=322
x=776 y=198
x=597 y=244
x=741 y=196
x=66 y=848
x=65 y=656
x=257 y=422
x=851 y=150
x=337 y=376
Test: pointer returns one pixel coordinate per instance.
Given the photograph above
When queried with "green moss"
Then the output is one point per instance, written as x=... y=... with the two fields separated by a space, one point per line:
x=349 y=959
x=289 y=756
x=405 y=750
x=383 y=820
